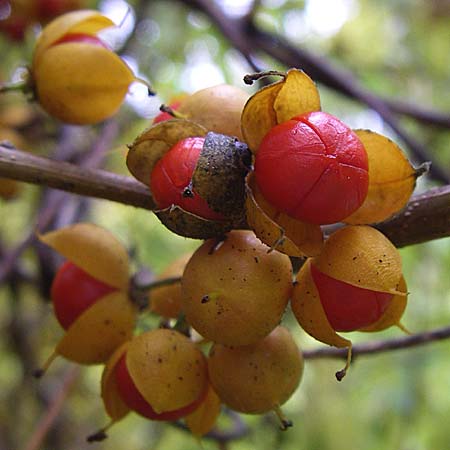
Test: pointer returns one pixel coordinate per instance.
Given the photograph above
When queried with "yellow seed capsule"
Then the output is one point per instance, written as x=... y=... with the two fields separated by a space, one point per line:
x=166 y=300
x=257 y=378
x=99 y=316
x=76 y=77
x=217 y=108
x=355 y=284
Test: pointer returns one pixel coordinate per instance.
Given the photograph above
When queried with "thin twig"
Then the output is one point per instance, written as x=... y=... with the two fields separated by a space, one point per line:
x=369 y=348
x=53 y=411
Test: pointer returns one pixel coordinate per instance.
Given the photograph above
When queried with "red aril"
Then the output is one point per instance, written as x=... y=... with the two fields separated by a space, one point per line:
x=347 y=307
x=73 y=291
x=313 y=167
x=171 y=179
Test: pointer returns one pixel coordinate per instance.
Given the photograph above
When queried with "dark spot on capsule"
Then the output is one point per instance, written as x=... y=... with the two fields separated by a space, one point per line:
x=181 y=378
x=160 y=360
x=256 y=259
x=107 y=322
x=354 y=258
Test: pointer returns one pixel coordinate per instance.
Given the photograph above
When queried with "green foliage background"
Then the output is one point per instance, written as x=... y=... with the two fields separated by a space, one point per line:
x=398 y=400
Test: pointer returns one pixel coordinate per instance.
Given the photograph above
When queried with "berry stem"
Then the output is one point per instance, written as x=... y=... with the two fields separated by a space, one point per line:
x=284 y=422
x=167 y=109
x=341 y=373
x=38 y=373
x=150 y=90
x=100 y=435
x=11 y=87
x=252 y=77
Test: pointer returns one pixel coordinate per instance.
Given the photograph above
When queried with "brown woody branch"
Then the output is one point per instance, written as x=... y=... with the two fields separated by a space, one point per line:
x=380 y=346
x=426 y=217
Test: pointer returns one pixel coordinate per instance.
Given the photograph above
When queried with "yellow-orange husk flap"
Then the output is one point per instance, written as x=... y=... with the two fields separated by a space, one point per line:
x=114 y=406
x=278 y=230
x=94 y=249
x=155 y=142
x=88 y=22
x=294 y=95
x=203 y=419
x=167 y=368
x=99 y=330
x=393 y=313
x=363 y=257
x=308 y=310
x=391 y=179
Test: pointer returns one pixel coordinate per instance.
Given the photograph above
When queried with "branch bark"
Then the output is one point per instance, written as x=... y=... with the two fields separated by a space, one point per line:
x=426 y=217
x=369 y=348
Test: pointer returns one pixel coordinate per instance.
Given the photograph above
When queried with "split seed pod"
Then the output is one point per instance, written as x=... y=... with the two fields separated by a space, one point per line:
x=160 y=374
x=217 y=177
x=76 y=78
x=355 y=283
x=110 y=320
x=391 y=179
x=257 y=378
x=217 y=108
x=276 y=103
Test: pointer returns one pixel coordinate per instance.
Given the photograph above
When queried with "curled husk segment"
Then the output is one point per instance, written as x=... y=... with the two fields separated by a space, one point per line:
x=295 y=94
x=203 y=419
x=107 y=323
x=256 y=378
x=218 y=177
x=359 y=256
x=392 y=179
x=217 y=108
x=278 y=230
x=75 y=81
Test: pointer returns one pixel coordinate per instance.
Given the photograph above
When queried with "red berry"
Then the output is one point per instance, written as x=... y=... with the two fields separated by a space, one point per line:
x=162 y=116
x=313 y=167
x=73 y=291
x=170 y=180
x=136 y=402
x=347 y=307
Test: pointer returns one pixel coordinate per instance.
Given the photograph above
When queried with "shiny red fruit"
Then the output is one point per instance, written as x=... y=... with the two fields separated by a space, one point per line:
x=313 y=167
x=347 y=307
x=170 y=180
x=73 y=291
x=136 y=402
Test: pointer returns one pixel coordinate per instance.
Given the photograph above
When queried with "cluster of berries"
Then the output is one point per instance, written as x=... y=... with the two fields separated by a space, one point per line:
x=256 y=178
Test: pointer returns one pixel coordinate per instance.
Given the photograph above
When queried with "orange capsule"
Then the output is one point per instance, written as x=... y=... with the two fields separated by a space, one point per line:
x=355 y=284
x=76 y=77
x=90 y=293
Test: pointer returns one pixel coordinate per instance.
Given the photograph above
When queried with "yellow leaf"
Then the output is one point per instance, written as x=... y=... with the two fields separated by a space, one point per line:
x=155 y=142
x=363 y=257
x=203 y=419
x=93 y=249
x=99 y=330
x=278 y=230
x=83 y=21
x=308 y=310
x=81 y=83
x=391 y=179
x=114 y=406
